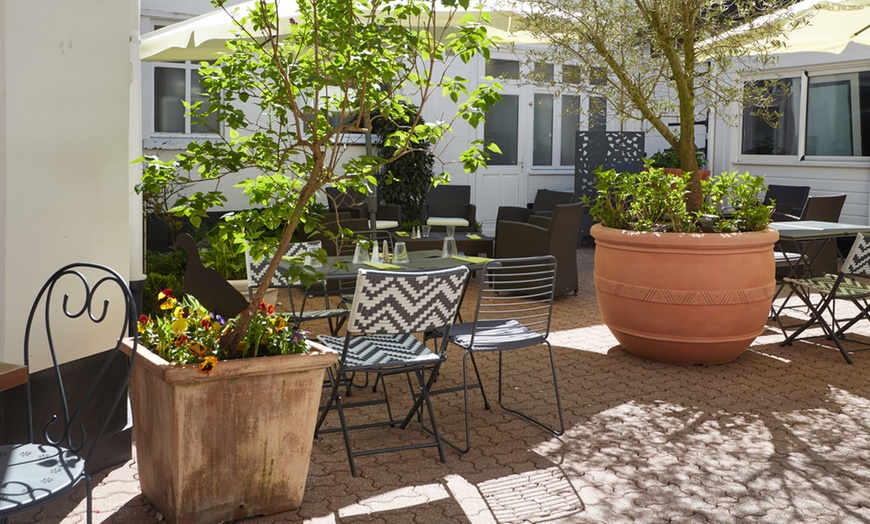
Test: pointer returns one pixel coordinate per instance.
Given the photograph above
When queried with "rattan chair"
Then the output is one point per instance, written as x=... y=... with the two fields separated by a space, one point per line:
x=555 y=236
x=56 y=455
x=450 y=205
x=789 y=201
x=389 y=307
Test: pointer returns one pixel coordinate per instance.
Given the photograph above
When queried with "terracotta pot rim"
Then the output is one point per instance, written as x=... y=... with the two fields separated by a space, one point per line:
x=766 y=237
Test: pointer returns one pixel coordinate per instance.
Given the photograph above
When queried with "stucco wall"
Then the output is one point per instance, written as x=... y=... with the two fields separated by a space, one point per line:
x=66 y=71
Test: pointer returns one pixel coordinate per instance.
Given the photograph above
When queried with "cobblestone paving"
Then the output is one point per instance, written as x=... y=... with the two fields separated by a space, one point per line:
x=780 y=435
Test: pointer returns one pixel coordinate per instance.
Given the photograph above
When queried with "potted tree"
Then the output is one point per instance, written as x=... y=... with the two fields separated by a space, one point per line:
x=678 y=286
x=287 y=107
x=655 y=60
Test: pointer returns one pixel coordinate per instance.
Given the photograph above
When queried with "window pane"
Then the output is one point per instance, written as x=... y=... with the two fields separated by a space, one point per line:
x=780 y=136
x=503 y=68
x=543 y=131
x=572 y=74
x=597 y=113
x=544 y=72
x=501 y=128
x=168 y=93
x=211 y=124
x=837 y=118
x=571 y=107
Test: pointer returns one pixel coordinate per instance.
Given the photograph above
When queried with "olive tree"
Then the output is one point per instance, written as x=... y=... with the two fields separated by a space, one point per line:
x=654 y=59
x=286 y=103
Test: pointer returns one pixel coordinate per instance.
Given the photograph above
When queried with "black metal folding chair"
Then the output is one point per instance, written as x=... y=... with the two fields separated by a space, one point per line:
x=833 y=287
x=55 y=459
x=389 y=307
x=514 y=308
x=255 y=270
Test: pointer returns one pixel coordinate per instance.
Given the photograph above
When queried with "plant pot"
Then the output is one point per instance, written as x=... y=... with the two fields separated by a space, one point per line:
x=229 y=445
x=684 y=298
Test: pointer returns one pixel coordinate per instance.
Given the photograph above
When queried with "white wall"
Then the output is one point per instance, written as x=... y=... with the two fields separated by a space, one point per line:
x=824 y=177
x=64 y=174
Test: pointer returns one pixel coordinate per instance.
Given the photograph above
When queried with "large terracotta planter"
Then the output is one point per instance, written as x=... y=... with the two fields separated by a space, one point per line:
x=684 y=298
x=229 y=445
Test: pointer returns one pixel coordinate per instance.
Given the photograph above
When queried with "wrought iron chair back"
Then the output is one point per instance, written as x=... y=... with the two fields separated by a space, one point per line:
x=80 y=300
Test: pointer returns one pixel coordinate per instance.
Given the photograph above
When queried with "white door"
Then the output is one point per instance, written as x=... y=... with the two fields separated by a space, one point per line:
x=505 y=180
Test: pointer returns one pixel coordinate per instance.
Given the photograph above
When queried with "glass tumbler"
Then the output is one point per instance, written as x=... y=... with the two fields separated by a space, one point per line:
x=448 y=248
x=400 y=253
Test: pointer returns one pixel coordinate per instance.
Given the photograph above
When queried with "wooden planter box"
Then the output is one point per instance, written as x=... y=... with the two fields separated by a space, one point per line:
x=229 y=445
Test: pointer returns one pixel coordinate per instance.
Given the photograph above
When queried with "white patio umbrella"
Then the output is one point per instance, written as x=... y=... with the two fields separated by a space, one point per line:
x=825 y=26
x=204 y=37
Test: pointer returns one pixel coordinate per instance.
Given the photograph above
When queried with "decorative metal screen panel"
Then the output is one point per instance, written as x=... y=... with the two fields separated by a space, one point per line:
x=620 y=150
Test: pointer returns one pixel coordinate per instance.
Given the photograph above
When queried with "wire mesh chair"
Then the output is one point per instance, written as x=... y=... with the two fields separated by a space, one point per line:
x=841 y=286
x=50 y=465
x=388 y=309
x=256 y=269
x=514 y=308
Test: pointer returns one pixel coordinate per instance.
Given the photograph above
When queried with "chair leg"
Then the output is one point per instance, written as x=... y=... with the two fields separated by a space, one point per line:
x=817 y=317
x=561 y=430
x=90 y=502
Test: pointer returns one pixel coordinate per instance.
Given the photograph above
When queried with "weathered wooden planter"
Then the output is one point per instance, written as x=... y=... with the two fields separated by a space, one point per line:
x=229 y=445
x=684 y=298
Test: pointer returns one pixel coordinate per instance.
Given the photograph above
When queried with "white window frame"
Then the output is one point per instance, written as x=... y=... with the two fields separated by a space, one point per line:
x=162 y=140
x=801 y=158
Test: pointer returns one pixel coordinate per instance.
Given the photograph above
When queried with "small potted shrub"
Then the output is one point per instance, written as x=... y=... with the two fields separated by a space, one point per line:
x=678 y=286
x=668 y=160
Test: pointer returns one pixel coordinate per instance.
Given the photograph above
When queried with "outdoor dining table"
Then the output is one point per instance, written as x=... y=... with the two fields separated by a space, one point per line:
x=807 y=237
x=342 y=267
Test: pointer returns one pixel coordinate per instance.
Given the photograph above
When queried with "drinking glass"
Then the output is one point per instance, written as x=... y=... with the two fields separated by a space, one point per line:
x=426 y=231
x=360 y=254
x=400 y=253
x=451 y=230
x=448 y=248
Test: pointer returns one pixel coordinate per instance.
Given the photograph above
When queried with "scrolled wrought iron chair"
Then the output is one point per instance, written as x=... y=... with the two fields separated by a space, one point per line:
x=53 y=463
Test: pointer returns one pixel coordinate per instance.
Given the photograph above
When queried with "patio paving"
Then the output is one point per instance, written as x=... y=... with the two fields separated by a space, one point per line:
x=780 y=435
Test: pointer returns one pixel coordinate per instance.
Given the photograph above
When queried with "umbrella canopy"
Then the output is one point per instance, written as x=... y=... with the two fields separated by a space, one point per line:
x=204 y=37
x=825 y=26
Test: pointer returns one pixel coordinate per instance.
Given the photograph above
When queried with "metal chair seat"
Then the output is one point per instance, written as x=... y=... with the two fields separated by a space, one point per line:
x=494 y=335
x=36 y=473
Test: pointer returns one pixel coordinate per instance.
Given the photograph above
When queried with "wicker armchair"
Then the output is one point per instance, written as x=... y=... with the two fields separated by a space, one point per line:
x=449 y=205
x=555 y=236
x=546 y=201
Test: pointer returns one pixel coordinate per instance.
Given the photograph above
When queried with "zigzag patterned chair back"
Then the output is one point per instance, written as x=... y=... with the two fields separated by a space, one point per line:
x=256 y=269
x=390 y=302
x=858 y=260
